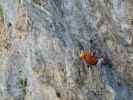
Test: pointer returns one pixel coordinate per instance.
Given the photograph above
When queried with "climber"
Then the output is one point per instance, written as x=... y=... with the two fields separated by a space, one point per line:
x=88 y=58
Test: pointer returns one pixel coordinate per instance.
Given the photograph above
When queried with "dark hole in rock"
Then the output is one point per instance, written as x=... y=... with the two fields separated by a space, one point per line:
x=132 y=22
x=50 y=26
x=107 y=62
x=95 y=93
x=58 y=94
x=80 y=46
x=18 y=52
x=8 y=45
x=20 y=37
x=104 y=40
x=110 y=65
x=9 y=24
x=91 y=41
x=119 y=84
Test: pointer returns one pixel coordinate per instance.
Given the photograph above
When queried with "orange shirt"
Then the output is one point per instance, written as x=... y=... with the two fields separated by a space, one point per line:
x=88 y=58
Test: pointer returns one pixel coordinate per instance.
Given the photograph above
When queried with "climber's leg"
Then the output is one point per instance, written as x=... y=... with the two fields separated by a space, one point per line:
x=89 y=66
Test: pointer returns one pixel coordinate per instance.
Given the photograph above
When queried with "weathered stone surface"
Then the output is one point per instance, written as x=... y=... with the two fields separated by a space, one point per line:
x=40 y=43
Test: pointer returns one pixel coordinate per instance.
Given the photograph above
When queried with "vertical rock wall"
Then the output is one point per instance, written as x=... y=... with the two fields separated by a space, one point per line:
x=40 y=43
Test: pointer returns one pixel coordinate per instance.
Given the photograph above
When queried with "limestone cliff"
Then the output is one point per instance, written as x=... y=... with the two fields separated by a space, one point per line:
x=40 y=43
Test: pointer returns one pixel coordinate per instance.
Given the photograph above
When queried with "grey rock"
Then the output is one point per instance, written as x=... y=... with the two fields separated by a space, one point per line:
x=40 y=43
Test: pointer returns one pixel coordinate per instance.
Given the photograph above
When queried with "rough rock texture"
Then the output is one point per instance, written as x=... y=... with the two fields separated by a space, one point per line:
x=40 y=43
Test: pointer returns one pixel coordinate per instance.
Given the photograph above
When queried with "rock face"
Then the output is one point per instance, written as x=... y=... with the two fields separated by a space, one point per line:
x=40 y=43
